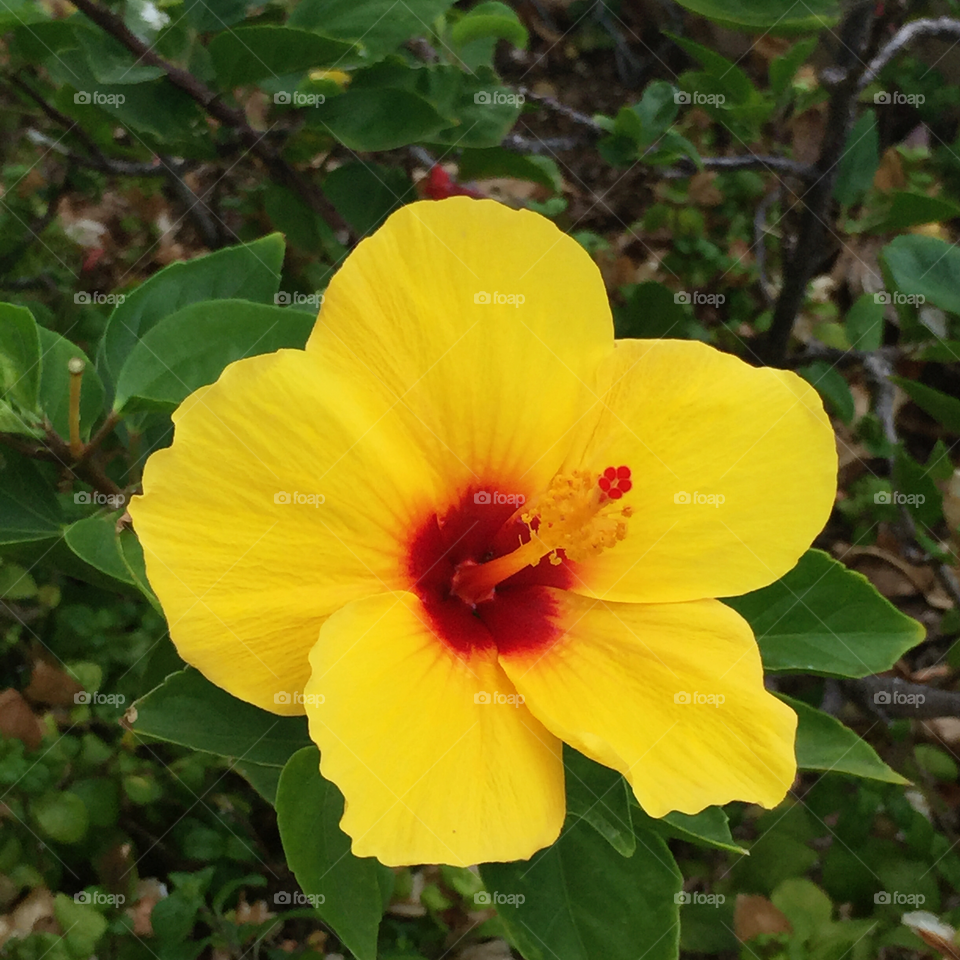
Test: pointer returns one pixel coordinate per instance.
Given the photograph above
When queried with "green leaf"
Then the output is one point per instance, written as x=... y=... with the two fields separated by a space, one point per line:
x=110 y=62
x=823 y=618
x=601 y=797
x=190 y=348
x=188 y=709
x=29 y=509
x=19 y=356
x=925 y=266
x=379 y=26
x=864 y=323
x=784 y=68
x=250 y=271
x=491 y=19
x=249 y=54
x=54 y=396
x=477 y=164
x=806 y=906
x=908 y=209
x=650 y=310
x=775 y=16
x=16 y=583
x=824 y=743
x=94 y=540
x=83 y=925
x=941 y=406
x=708 y=828
x=61 y=816
x=265 y=780
x=369 y=120
x=208 y=16
x=583 y=902
x=859 y=161
x=132 y=553
x=831 y=385
x=309 y=810
x=365 y=194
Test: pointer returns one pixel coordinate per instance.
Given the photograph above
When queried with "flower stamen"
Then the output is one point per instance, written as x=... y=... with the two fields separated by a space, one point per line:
x=578 y=514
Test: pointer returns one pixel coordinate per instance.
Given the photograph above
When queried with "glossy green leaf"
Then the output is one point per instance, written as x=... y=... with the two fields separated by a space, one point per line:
x=188 y=709
x=775 y=16
x=29 y=509
x=864 y=323
x=208 y=16
x=19 y=355
x=908 y=209
x=477 y=164
x=859 y=161
x=365 y=194
x=601 y=797
x=253 y=53
x=708 y=828
x=823 y=618
x=581 y=901
x=249 y=271
x=54 y=396
x=132 y=553
x=347 y=888
x=832 y=386
x=190 y=348
x=824 y=743
x=110 y=62
x=94 y=540
x=369 y=120
x=491 y=19
x=941 y=406
x=925 y=266
x=380 y=26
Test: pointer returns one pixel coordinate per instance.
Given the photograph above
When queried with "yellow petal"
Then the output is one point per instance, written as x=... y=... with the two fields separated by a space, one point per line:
x=244 y=578
x=435 y=759
x=671 y=695
x=734 y=472
x=492 y=388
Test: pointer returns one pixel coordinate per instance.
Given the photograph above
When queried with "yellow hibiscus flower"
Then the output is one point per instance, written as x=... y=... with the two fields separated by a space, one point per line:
x=464 y=525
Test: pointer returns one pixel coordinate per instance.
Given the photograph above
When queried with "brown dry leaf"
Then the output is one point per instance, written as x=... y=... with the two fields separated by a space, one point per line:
x=931 y=930
x=35 y=908
x=703 y=191
x=939 y=671
x=51 y=685
x=754 y=915
x=894 y=577
x=31 y=183
x=806 y=133
x=946 y=729
x=890 y=174
x=18 y=721
x=150 y=892
x=770 y=47
x=256 y=912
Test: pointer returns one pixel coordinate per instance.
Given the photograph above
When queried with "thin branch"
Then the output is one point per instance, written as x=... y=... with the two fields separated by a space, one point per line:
x=211 y=102
x=557 y=107
x=891 y=697
x=854 y=37
x=760 y=241
x=686 y=167
x=943 y=28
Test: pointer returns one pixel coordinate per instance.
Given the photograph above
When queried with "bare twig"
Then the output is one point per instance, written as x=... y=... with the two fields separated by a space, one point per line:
x=255 y=142
x=844 y=78
x=891 y=697
x=942 y=28
x=760 y=241
x=686 y=167
x=557 y=107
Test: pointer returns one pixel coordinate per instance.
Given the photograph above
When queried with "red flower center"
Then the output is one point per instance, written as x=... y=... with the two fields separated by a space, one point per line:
x=519 y=614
